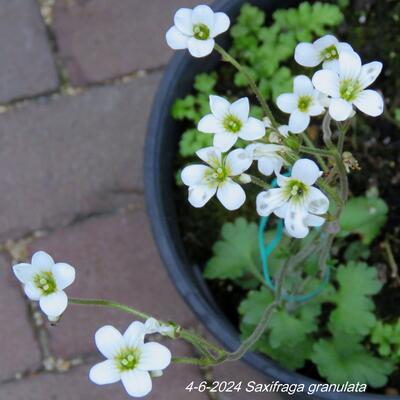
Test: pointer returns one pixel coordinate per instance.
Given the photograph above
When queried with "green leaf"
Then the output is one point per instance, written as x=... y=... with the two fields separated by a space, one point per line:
x=236 y=252
x=344 y=359
x=397 y=114
x=357 y=251
x=288 y=337
x=252 y=307
x=205 y=83
x=382 y=335
x=364 y=216
x=354 y=307
x=193 y=140
x=185 y=109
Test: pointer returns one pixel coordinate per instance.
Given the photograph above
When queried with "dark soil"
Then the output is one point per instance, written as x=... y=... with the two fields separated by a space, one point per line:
x=373 y=29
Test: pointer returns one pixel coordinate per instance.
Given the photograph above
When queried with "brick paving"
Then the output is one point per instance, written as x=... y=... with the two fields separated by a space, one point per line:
x=27 y=65
x=71 y=180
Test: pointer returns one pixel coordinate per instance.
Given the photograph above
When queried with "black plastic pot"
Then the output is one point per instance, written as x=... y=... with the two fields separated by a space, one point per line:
x=160 y=152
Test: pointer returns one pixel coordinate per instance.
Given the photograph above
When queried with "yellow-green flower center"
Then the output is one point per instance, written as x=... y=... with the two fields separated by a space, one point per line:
x=45 y=282
x=232 y=124
x=330 y=53
x=349 y=89
x=201 y=31
x=304 y=103
x=217 y=176
x=295 y=190
x=127 y=359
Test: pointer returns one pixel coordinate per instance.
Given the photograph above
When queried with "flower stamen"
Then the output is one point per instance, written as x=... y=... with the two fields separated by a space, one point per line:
x=201 y=32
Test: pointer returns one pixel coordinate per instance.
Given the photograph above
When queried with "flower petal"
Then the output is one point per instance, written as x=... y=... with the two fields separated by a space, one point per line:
x=200 y=48
x=270 y=200
x=369 y=73
x=134 y=335
x=199 y=195
x=183 y=21
x=332 y=65
x=32 y=291
x=210 y=124
x=314 y=220
x=318 y=203
x=370 y=102
x=306 y=55
x=240 y=108
x=284 y=130
x=316 y=109
x=203 y=15
x=42 y=261
x=281 y=211
x=24 y=272
x=221 y=24
x=298 y=121
x=340 y=109
x=219 y=106
x=53 y=305
x=287 y=102
x=306 y=171
x=327 y=82
x=349 y=65
x=64 y=275
x=324 y=42
x=194 y=174
x=225 y=140
x=211 y=155
x=109 y=341
x=238 y=161
x=154 y=357
x=295 y=220
x=104 y=373
x=137 y=383
x=252 y=130
x=302 y=85
x=231 y=195
x=268 y=165
x=175 y=39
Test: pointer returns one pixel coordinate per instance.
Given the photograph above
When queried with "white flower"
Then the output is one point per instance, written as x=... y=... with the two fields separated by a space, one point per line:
x=269 y=157
x=347 y=87
x=296 y=200
x=325 y=50
x=216 y=178
x=129 y=359
x=303 y=103
x=153 y=326
x=45 y=281
x=230 y=121
x=196 y=29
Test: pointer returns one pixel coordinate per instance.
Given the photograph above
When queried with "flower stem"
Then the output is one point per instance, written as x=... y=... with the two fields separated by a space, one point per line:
x=108 y=303
x=311 y=145
x=259 y=182
x=227 y=57
x=318 y=153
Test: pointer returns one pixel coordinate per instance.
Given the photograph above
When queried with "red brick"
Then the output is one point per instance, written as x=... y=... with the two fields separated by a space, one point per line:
x=18 y=348
x=72 y=156
x=27 y=66
x=104 y=39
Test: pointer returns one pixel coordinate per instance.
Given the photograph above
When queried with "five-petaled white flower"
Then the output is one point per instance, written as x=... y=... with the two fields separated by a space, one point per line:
x=296 y=200
x=269 y=157
x=347 y=87
x=129 y=359
x=326 y=50
x=196 y=29
x=230 y=121
x=303 y=103
x=216 y=178
x=44 y=281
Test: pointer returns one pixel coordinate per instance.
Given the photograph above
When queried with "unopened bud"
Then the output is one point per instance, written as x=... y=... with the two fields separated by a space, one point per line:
x=244 y=178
